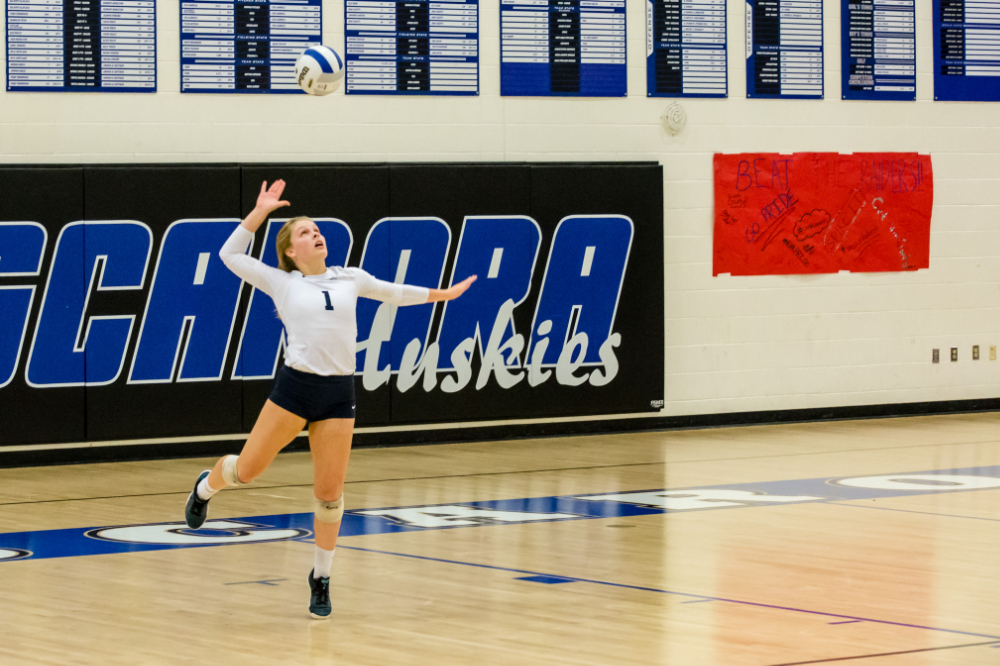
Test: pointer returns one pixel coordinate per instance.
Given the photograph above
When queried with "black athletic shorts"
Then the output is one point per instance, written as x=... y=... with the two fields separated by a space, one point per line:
x=314 y=397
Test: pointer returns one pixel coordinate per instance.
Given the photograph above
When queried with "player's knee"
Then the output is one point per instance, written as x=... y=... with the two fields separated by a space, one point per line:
x=329 y=511
x=231 y=474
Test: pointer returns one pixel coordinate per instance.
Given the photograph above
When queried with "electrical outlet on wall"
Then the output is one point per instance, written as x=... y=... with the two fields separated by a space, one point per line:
x=935 y=356
x=975 y=352
x=993 y=352
x=954 y=354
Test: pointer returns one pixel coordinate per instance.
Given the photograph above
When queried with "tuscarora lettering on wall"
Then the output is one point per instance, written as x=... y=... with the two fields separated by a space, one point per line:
x=191 y=312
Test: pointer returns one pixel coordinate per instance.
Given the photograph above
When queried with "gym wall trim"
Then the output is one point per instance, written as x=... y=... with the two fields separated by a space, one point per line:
x=125 y=336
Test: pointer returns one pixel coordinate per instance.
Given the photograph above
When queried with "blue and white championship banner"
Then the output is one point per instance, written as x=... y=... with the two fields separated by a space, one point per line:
x=563 y=48
x=246 y=46
x=686 y=48
x=967 y=50
x=878 y=49
x=81 y=45
x=785 y=49
x=412 y=47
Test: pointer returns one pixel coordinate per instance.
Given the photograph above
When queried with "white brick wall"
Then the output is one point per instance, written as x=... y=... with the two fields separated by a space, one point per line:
x=732 y=343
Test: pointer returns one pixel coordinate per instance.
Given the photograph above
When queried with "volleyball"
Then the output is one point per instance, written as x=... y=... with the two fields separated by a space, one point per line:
x=319 y=70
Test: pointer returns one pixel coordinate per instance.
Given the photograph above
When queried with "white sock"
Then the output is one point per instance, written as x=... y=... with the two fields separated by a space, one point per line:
x=205 y=491
x=322 y=562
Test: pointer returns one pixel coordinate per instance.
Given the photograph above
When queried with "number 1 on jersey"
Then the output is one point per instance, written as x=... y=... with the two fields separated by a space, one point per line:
x=329 y=305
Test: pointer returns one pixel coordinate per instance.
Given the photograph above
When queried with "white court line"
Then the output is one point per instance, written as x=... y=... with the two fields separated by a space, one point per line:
x=361 y=431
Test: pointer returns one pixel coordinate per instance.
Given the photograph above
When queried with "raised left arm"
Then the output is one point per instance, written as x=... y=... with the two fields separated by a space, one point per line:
x=405 y=294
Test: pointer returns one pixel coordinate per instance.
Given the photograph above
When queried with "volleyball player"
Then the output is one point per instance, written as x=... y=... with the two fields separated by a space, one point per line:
x=317 y=306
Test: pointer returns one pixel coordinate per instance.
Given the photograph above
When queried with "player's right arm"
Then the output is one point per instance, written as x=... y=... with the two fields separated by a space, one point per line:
x=233 y=252
x=268 y=201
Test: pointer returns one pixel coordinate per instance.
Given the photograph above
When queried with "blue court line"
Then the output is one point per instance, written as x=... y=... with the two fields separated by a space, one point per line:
x=546 y=580
x=670 y=592
x=926 y=513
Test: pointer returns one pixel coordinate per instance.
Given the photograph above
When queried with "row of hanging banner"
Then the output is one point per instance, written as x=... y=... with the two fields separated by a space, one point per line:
x=547 y=47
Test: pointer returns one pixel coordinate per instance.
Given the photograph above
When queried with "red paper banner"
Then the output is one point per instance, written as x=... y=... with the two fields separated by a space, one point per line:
x=822 y=213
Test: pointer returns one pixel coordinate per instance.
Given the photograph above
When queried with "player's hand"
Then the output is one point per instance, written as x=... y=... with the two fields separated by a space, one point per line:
x=457 y=290
x=452 y=292
x=269 y=198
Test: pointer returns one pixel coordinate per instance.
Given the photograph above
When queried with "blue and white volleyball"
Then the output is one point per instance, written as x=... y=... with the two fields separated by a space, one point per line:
x=319 y=70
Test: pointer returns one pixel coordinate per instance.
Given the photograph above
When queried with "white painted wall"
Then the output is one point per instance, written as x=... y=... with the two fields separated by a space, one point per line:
x=732 y=343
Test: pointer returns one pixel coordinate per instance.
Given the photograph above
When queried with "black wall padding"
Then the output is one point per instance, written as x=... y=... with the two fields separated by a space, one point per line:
x=496 y=216
x=159 y=196
x=52 y=197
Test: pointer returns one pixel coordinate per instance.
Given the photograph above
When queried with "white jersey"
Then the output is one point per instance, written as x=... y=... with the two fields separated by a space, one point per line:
x=318 y=311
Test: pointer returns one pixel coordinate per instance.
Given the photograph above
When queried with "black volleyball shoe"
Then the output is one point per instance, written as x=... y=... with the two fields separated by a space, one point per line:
x=196 y=510
x=319 y=604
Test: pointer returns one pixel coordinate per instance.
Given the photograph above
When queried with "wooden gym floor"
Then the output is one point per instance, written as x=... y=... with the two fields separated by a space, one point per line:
x=906 y=570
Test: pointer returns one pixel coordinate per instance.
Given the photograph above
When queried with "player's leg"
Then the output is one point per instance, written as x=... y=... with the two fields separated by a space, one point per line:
x=330 y=443
x=274 y=429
